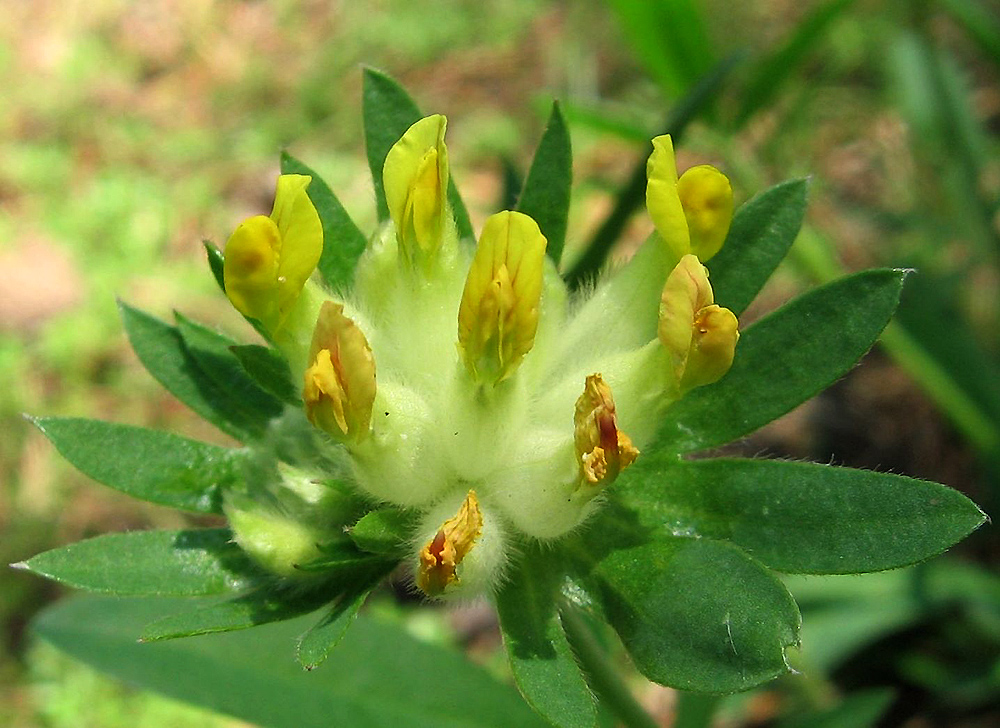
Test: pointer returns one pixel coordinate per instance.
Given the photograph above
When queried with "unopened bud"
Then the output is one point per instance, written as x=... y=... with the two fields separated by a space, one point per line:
x=498 y=316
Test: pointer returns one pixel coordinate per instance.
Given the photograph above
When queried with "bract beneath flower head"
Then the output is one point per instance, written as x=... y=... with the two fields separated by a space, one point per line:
x=269 y=259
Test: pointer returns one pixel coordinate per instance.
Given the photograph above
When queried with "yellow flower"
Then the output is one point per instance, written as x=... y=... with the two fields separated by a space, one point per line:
x=442 y=554
x=691 y=214
x=699 y=336
x=339 y=389
x=415 y=176
x=498 y=316
x=269 y=258
x=602 y=449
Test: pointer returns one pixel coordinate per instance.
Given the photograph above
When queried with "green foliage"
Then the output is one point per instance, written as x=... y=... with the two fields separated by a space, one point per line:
x=384 y=676
x=545 y=196
x=269 y=370
x=160 y=563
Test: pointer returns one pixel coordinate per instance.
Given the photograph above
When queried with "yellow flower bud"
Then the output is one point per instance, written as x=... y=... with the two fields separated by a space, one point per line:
x=442 y=554
x=269 y=259
x=699 y=336
x=415 y=177
x=498 y=316
x=339 y=389
x=691 y=214
x=602 y=449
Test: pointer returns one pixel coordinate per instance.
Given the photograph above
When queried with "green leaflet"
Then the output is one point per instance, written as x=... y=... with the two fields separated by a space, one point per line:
x=215 y=263
x=379 y=675
x=784 y=359
x=383 y=531
x=155 y=466
x=388 y=112
x=763 y=230
x=161 y=349
x=150 y=563
x=546 y=192
x=343 y=241
x=539 y=654
x=799 y=517
x=269 y=370
x=213 y=353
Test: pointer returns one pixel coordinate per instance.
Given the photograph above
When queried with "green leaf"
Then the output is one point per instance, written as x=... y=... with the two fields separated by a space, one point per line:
x=799 y=517
x=343 y=241
x=150 y=563
x=546 y=192
x=263 y=605
x=784 y=359
x=979 y=22
x=315 y=645
x=269 y=370
x=155 y=466
x=388 y=112
x=216 y=262
x=539 y=654
x=697 y=614
x=762 y=232
x=384 y=531
x=379 y=676
x=161 y=350
x=213 y=353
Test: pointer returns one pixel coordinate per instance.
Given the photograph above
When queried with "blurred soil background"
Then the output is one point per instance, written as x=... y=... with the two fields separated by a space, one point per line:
x=130 y=131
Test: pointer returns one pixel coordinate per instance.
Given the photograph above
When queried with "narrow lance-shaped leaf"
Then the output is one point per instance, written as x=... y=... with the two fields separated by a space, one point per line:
x=799 y=517
x=763 y=230
x=380 y=679
x=215 y=263
x=150 y=563
x=388 y=112
x=155 y=466
x=784 y=359
x=539 y=654
x=269 y=370
x=213 y=353
x=546 y=193
x=315 y=645
x=161 y=350
x=343 y=241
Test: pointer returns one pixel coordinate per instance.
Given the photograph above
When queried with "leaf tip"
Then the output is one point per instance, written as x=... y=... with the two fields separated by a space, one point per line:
x=20 y=566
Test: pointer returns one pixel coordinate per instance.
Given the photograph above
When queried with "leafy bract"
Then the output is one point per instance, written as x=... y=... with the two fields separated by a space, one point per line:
x=799 y=517
x=762 y=231
x=154 y=466
x=380 y=676
x=150 y=563
x=539 y=654
x=784 y=359
x=269 y=370
x=546 y=193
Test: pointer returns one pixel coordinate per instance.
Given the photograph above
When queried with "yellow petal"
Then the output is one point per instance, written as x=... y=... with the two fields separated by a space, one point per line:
x=250 y=269
x=662 y=199
x=415 y=178
x=498 y=315
x=441 y=555
x=602 y=449
x=301 y=237
x=707 y=199
x=339 y=389
x=699 y=336
x=716 y=331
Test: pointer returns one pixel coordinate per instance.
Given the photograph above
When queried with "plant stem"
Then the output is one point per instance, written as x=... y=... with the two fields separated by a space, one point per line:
x=602 y=676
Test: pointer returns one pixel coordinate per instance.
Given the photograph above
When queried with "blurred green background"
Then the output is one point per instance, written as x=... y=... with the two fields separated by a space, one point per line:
x=130 y=131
